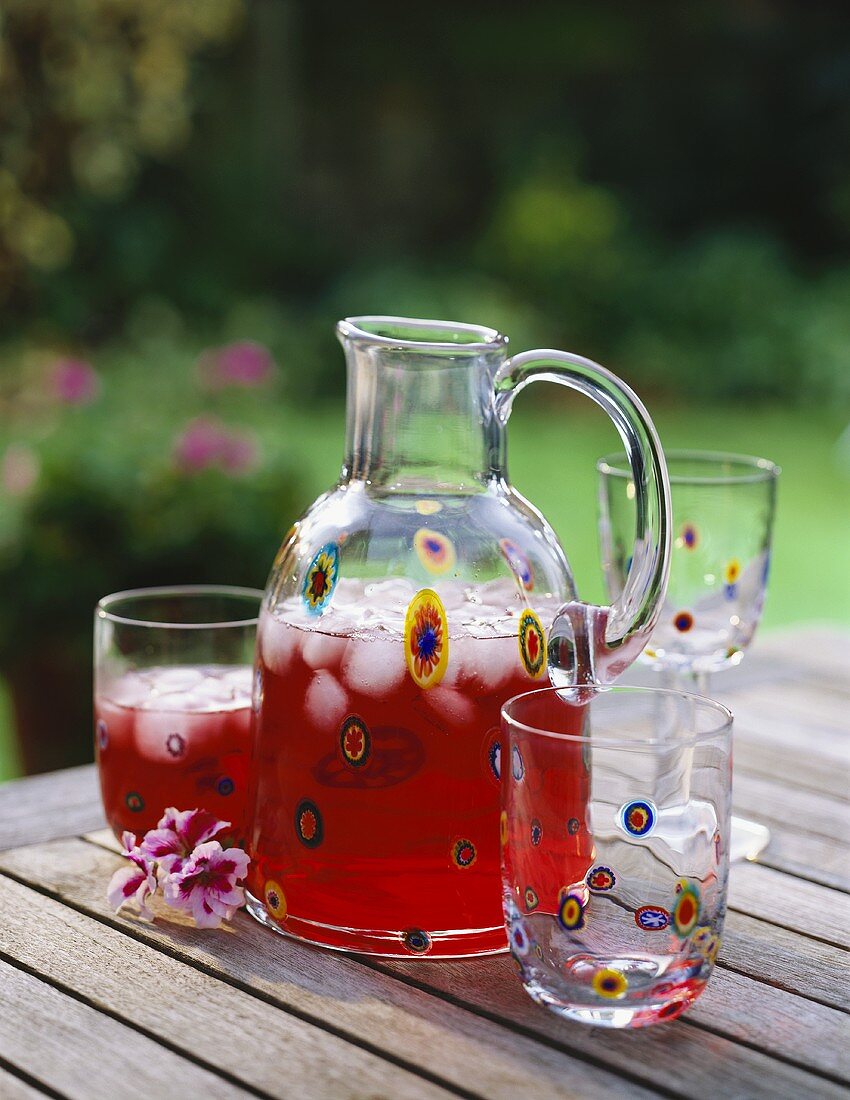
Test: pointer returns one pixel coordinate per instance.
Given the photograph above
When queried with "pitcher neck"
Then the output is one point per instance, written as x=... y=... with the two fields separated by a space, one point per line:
x=420 y=411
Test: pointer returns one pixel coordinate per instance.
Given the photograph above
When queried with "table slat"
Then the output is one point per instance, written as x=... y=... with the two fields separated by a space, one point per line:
x=776 y=1021
x=276 y=966
x=792 y=808
x=77 y=953
x=353 y=999
x=789 y=754
x=814 y=858
x=683 y=1056
x=786 y=959
x=87 y=1055
x=791 y=903
x=44 y=807
x=13 y=1088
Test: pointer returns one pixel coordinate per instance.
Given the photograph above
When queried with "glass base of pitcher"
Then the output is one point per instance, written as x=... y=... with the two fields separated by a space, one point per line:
x=412 y=943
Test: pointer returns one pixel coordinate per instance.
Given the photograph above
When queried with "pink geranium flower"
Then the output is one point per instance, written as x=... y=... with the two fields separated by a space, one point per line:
x=205 y=443
x=19 y=469
x=134 y=883
x=207 y=884
x=177 y=835
x=239 y=454
x=244 y=363
x=75 y=382
x=200 y=444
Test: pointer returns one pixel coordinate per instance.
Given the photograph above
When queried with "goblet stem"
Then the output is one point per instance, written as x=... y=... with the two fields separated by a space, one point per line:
x=747 y=839
x=686 y=679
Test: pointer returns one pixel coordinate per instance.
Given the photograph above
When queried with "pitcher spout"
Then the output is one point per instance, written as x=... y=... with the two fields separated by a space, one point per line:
x=420 y=408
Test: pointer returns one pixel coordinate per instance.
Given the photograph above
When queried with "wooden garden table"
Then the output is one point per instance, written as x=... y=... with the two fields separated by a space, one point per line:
x=97 y=1005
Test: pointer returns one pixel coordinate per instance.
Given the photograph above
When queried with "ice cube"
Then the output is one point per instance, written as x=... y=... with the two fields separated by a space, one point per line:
x=216 y=694
x=348 y=591
x=450 y=707
x=129 y=690
x=452 y=596
x=175 y=679
x=326 y=702
x=459 y=653
x=168 y=736
x=240 y=679
x=324 y=650
x=392 y=594
x=278 y=643
x=178 y=702
x=481 y=664
x=374 y=666
x=491 y=662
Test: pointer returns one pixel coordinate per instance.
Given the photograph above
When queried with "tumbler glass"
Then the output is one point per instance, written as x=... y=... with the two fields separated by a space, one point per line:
x=172 y=701
x=615 y=838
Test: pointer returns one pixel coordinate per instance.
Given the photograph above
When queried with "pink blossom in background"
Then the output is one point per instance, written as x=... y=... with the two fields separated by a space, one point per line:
x=75 y=382
x=177 y=834
x=201 y=444
x=240 y=454
x=207 y=884
x=244 y=363
x=134 y=883
x=205 y=443
x=19 y=469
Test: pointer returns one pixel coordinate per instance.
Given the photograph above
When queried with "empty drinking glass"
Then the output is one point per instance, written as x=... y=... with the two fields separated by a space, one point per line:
x=723 y=510
x=615 y=837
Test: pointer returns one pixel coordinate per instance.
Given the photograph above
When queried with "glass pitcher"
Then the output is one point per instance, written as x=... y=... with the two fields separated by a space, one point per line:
x=402 y=610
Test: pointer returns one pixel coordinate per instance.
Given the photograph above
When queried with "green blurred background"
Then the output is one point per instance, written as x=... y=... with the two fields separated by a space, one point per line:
x=192 y=193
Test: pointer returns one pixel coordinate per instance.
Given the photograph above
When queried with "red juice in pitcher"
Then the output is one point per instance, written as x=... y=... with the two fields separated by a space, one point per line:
x=377 y=800
x=174 y=737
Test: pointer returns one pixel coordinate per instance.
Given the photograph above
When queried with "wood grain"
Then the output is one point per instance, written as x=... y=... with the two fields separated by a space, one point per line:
x=44 y=807
x=682 y=1056
x=354 y=1000
x=786 y=959
x=487 y=986
x=791 y=903
x=13 y=1088
x=776 y=750
x=86 y=1055
x=70 y=950
x=791 y=808
x=815 y=858
x=776 y=1021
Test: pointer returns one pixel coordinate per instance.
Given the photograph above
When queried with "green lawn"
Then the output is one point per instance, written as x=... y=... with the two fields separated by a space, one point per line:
x=552 y=457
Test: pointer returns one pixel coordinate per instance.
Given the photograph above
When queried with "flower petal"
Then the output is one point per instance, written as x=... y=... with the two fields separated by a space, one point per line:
x=163 y=844
x=169 y=819
x=205 y=916
x=142 y=894
x=197 y=826
x=124 y=884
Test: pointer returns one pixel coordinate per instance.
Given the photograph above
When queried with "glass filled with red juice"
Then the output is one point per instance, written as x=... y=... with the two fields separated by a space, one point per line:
x=172 y=703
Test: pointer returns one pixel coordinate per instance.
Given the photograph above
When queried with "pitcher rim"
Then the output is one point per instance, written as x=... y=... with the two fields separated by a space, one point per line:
x=359 y=329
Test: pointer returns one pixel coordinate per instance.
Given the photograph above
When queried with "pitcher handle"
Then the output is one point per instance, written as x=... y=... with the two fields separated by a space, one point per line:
x=590 y=644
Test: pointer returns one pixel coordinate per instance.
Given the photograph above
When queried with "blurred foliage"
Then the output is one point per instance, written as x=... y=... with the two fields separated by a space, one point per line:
x=88 y=90
x=668 y=191
x=174 y=473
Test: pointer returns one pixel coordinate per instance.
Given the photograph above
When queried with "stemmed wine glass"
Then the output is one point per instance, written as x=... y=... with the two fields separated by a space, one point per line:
x=723 y=509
